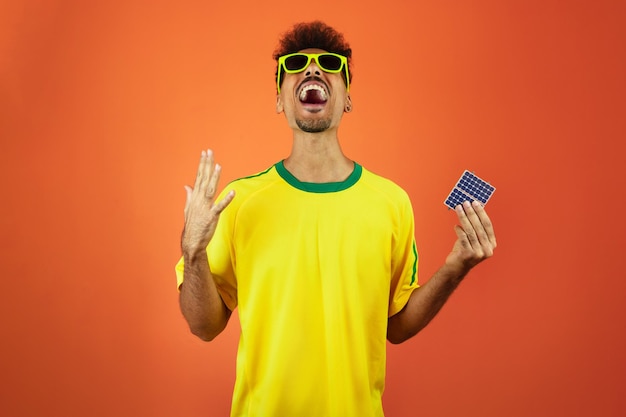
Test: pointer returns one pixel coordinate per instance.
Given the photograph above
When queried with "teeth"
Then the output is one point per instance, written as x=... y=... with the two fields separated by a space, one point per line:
x=313 y=87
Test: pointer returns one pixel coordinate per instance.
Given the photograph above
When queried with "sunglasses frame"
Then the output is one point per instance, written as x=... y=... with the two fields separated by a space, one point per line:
x=283 y=67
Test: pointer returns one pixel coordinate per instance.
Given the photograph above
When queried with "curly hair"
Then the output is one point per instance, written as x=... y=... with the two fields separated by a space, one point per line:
x=314 y=34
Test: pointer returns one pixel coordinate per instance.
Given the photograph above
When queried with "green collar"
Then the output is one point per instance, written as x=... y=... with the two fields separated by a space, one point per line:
x=324 y=187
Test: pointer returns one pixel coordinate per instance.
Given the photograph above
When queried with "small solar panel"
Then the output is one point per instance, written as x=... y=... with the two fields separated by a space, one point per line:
x=469 y=188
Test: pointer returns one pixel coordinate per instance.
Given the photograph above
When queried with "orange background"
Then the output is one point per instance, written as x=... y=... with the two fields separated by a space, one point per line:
x=105 y=106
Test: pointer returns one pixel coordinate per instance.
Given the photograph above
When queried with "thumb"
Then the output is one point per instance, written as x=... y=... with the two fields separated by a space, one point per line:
x=462 y=240
x=188 y=190
x=460 y=233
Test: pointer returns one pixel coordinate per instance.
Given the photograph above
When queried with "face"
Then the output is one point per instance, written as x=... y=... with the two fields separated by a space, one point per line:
x=313 y=100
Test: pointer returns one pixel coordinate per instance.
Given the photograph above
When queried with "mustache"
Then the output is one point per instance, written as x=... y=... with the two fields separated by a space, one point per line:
x=313 y=78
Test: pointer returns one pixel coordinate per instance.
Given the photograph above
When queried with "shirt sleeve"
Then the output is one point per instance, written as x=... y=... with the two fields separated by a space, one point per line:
x=404 y=259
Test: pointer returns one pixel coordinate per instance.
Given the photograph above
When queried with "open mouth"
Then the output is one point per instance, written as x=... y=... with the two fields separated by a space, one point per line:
x=313 y=94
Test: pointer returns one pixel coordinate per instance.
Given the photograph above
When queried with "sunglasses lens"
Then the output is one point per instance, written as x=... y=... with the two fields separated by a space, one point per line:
x=296 y=62
x=329 y=62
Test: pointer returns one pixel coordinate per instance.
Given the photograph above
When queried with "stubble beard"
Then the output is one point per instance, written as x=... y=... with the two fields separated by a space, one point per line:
x=313 y=126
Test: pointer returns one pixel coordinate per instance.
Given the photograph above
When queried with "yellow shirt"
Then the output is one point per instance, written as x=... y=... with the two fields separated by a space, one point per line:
x=316 y=270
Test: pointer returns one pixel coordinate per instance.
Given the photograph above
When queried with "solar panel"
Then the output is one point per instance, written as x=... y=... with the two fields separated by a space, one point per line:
x=469 y=188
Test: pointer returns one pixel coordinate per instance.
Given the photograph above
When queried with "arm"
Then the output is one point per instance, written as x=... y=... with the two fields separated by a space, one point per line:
x=200 y=302
x=475 y=242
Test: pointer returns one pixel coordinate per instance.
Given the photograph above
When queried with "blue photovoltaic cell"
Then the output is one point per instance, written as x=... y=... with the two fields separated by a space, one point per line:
x=469 y=188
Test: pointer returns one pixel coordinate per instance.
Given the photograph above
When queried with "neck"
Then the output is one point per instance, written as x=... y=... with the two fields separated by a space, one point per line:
x=318 y=158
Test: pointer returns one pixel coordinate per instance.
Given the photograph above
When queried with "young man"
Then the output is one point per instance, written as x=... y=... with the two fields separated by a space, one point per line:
x=317 y=253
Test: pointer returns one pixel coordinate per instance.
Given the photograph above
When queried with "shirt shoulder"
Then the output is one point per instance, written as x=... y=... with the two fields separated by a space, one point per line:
x=247 y=186
x=384 y=187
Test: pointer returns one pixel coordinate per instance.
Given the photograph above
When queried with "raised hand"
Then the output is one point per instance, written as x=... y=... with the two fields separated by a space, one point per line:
x=476 y=239
x=201 y=210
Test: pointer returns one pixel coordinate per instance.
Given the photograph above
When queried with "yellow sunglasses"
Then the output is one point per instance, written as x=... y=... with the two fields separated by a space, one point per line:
x=326 y=61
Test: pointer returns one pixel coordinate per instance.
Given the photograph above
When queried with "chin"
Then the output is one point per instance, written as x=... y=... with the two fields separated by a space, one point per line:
x=313 y=126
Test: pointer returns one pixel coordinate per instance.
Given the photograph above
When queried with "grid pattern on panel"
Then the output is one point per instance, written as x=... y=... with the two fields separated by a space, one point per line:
x=469 y=188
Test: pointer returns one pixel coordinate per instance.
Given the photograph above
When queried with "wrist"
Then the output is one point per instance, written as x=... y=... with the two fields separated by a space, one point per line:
x=454 y=271
x=191 y=246
x=193 y=251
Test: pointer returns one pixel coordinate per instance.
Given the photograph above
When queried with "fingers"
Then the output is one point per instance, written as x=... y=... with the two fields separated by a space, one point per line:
x=207 y=177
x=212 y=182
x=221 y=205
x=205 y=187
x=485 y=221
x=200 y=171
x=205 y=169
x=477 y=228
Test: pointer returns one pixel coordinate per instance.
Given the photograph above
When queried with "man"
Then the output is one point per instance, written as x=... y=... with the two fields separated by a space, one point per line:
x=317 y=253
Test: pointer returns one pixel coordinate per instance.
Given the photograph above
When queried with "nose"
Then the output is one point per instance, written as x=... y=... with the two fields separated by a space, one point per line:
x=313 y=69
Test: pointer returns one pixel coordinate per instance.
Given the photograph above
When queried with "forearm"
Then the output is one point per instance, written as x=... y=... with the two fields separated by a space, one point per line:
x=475 y=242
x=424 y=304
x=200 y=302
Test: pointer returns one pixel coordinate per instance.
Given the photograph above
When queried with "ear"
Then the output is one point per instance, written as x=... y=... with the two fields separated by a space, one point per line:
x=348 y=106
x=279 y=104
